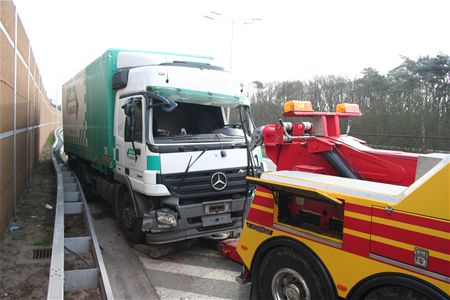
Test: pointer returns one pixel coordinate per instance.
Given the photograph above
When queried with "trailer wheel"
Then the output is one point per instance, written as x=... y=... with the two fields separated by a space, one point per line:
x=289 y=274
x=130 y=223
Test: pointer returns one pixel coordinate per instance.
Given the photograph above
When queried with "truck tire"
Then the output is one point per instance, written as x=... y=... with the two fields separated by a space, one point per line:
x=88 y=190
x=286 y=273
x=130 y=223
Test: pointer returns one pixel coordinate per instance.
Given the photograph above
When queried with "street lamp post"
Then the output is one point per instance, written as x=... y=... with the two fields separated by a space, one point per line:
x=216 y=16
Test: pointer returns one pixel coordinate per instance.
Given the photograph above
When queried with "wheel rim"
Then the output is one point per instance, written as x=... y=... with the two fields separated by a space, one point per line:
x=289 y=284
x=128 y=217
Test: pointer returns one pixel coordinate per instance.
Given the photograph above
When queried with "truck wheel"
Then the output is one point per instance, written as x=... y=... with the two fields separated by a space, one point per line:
x=88 y=190
x=131 y=224
x=289 y=274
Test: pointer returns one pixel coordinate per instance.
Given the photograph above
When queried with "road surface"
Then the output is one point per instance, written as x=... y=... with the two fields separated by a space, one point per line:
x=196 y=272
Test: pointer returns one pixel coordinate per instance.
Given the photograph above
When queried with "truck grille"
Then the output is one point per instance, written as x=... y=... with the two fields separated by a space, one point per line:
x=198 y=185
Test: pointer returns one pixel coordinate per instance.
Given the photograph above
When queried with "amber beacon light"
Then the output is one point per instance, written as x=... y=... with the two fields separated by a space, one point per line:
x=297 y=105
x=347 y=108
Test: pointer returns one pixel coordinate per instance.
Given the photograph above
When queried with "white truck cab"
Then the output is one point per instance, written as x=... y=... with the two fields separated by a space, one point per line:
x=178 y=164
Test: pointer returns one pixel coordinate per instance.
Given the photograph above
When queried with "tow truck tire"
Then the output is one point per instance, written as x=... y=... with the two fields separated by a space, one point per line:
x=130 y=223
x=286 y=273
x=394 y=292
x=395 y=286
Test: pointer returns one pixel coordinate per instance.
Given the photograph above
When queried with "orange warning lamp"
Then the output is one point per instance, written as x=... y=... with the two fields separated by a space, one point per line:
x=299 y=106
x=348 y=108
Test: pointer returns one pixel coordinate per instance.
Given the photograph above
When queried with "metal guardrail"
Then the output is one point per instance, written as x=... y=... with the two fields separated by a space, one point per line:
x=70 y=200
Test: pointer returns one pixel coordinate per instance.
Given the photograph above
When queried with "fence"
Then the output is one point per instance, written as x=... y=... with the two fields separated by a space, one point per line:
x=27 y=117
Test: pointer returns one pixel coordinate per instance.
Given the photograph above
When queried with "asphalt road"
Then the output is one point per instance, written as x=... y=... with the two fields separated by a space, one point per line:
x=195 y=272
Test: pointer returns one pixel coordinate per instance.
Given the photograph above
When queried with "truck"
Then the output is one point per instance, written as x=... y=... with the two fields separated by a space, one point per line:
x=150 y=132
x=339 y=219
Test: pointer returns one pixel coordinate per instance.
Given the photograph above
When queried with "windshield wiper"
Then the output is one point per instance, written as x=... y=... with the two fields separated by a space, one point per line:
x=189 y=165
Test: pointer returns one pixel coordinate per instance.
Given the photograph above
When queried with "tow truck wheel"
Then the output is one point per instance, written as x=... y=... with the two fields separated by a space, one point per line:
x=289 y=274
x=396 y=286
x=392 y=292
x=130 y=223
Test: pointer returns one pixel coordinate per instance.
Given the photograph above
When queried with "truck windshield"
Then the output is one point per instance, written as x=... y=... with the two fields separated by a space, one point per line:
x=194 y=123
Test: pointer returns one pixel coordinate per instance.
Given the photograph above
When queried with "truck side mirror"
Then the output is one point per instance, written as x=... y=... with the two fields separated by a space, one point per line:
x=120 y=79
x=128 y=134
x=130 y=119
x=128 y=107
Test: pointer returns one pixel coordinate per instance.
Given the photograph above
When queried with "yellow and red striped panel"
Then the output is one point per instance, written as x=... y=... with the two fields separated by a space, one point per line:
x=395 y=235
x=261 y=210
x=357 y=229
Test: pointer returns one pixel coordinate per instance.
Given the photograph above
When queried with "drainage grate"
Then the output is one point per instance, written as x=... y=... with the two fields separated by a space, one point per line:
x=42 y=253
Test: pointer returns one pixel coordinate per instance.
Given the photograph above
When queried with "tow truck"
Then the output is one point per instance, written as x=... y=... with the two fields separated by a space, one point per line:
x=339 y=219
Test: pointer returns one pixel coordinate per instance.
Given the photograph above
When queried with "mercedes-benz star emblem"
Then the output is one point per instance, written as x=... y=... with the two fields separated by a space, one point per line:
x=218 y=181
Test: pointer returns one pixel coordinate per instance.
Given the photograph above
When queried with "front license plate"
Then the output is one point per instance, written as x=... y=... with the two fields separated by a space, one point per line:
x=217 y=208
x=216 y=220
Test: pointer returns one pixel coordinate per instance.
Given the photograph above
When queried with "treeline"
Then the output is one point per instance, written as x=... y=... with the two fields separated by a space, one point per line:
x=409 y=107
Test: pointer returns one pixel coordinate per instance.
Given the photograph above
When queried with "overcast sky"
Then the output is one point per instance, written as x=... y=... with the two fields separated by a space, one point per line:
x=294 y=39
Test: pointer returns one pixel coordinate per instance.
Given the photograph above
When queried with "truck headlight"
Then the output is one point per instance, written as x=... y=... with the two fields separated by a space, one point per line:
x=166 y=218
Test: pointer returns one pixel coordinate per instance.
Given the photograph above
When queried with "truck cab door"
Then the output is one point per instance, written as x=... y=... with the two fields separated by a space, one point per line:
x=130 y=139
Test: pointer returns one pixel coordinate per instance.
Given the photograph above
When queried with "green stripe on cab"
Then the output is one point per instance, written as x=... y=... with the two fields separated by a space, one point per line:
x=153 y=163
x=198 y=97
